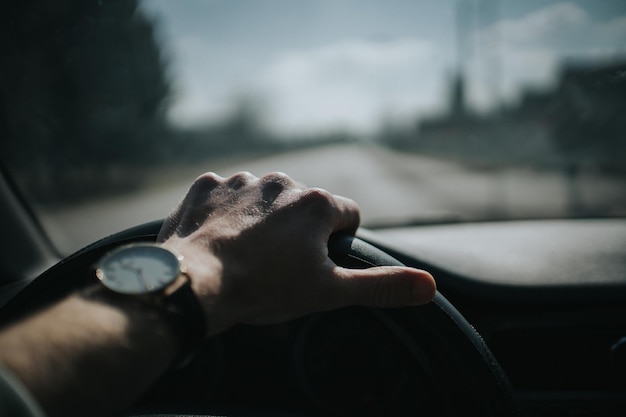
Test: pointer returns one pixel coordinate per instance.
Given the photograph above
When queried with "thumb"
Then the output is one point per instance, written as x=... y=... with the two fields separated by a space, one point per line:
x=387 y=286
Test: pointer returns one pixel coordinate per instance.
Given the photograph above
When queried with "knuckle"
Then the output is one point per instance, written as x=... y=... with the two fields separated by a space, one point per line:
x=240 y=179
x=318 y=200
x=206 y=181
x=278 y=178
x=317 y=196
x=274 y=185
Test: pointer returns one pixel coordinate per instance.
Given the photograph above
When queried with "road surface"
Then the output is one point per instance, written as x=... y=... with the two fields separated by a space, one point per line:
x=390 y=187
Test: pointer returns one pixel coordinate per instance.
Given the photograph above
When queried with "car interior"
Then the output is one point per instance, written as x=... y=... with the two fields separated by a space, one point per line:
x=530 y=313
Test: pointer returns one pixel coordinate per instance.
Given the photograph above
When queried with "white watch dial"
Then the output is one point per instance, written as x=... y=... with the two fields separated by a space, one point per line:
x=138 y=269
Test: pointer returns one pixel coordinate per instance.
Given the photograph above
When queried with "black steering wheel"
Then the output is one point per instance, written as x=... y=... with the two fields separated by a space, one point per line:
x=456 y=367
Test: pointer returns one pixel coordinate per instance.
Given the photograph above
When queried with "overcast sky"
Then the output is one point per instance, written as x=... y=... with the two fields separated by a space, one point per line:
x=349 y=64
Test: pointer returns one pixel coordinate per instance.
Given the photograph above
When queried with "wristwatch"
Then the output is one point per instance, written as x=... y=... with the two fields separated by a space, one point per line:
x=155 y=276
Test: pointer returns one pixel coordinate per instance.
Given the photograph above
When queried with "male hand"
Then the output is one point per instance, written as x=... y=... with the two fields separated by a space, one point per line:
x=256 y=251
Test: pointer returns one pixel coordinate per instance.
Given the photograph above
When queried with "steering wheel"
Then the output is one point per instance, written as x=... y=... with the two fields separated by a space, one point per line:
x=455 y=362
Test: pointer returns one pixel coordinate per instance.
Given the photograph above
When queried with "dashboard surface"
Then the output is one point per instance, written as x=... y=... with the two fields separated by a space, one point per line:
x=560 y=259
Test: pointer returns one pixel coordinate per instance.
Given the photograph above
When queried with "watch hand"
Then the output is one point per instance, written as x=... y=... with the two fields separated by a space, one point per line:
x=140 y=278
x=138 y=272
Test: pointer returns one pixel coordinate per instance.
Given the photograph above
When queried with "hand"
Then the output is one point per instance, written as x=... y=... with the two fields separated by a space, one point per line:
x=256 y=251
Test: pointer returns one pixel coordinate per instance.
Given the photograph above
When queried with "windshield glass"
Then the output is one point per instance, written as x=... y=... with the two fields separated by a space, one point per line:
x=422 y=112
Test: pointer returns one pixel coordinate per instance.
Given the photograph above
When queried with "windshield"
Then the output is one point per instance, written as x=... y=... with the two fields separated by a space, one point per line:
x=422 y=112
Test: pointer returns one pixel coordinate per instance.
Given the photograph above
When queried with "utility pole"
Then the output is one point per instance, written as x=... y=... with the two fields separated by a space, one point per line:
x=463 y=52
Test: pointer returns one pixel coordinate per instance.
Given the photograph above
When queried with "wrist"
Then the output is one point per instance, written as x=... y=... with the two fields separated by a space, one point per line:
x=151 y=280
x=140 y=324
x=205 y=272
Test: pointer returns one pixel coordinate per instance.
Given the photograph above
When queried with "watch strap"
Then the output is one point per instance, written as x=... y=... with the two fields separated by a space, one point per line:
x=185 y=316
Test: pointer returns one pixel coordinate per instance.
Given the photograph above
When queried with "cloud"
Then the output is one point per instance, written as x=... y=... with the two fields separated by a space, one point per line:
x=208 y=77
x=350 y=84
x=515 y=53
x=556 y=21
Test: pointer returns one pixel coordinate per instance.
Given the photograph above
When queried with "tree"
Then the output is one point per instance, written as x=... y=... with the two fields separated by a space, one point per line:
x=84 y=90
x=587 y=118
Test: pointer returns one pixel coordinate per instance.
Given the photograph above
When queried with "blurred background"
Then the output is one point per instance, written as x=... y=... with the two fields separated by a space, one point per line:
x=423 y=112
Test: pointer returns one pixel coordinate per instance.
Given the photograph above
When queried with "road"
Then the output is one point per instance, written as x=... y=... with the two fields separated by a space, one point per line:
x=390 y=187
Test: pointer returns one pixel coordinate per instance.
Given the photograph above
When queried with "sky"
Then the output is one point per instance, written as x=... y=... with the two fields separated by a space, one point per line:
x=327 y=65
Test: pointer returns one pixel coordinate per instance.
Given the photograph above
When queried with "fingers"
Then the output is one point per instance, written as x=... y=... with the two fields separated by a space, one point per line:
x=349 y=215
x=274 y=191
x=341 y=213
x=260 y=233
x=384 y=286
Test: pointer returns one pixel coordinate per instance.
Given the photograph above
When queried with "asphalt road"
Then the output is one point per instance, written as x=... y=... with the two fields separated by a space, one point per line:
x=390 y=187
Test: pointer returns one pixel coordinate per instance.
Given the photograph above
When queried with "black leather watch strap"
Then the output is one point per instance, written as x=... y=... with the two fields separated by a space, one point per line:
x=183 y=312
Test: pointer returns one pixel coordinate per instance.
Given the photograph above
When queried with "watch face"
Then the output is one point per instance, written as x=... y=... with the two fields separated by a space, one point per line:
x=138 y=269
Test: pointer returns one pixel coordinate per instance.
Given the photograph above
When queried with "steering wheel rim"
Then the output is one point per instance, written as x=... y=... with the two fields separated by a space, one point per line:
x=470 y=374
x=465 y=369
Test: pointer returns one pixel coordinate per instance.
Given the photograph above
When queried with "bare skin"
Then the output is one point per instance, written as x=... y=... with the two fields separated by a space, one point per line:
x=256 y=252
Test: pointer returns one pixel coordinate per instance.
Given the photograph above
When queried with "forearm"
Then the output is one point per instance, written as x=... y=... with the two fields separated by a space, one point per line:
x=85 y=354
